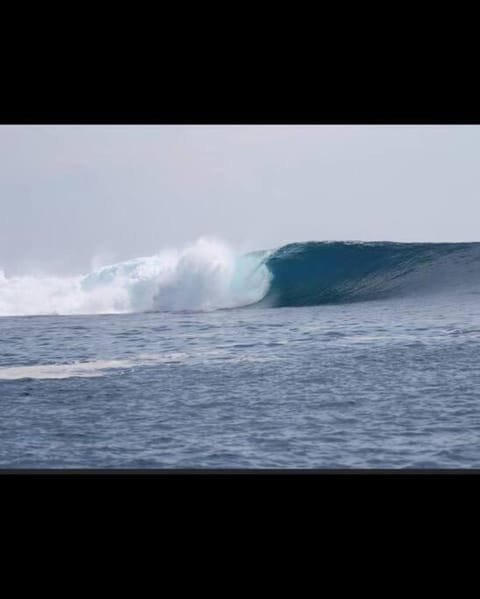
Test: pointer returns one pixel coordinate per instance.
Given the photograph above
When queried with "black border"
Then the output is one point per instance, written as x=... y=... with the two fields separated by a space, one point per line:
x=116 y=114
x=240 y=472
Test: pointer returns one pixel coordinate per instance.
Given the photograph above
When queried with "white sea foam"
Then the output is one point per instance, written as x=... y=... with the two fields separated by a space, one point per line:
x=92 y=368
x=102 y=367
x=206 y=275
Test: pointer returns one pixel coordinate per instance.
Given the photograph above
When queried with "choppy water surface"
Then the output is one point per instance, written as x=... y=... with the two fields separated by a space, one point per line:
x=389 y=383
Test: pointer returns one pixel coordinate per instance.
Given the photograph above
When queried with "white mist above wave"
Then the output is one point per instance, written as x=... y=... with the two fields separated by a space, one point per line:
x=206 y=275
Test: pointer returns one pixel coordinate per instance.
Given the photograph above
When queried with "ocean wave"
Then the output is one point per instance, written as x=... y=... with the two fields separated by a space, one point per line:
x=314 y=273
x=209 y=275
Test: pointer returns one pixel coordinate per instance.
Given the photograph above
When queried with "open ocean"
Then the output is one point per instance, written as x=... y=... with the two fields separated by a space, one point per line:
x=313 y=355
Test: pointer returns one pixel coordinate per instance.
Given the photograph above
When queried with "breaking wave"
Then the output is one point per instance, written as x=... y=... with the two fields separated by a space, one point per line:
x=208 y=275
x=314 y=273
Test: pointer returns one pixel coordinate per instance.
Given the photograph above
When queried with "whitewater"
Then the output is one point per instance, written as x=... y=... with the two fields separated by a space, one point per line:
x=206 y=275
x=316 y=354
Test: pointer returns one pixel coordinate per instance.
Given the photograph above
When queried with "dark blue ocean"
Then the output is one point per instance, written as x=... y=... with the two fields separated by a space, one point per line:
x=355 y=356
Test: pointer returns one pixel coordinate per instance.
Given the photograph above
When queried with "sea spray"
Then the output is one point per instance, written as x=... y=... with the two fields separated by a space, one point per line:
x=206 y=275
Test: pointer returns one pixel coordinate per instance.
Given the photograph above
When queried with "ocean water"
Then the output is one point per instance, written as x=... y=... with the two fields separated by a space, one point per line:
x=314 y=355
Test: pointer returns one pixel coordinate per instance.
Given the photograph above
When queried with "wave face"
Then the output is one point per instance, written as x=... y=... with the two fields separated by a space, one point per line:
x=208 y=275
x=305 y=274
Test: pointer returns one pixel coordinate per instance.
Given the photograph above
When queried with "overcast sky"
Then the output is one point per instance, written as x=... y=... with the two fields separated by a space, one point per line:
x=72 y=193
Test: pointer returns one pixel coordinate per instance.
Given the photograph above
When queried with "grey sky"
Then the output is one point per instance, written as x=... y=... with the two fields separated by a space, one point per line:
x=70 y=193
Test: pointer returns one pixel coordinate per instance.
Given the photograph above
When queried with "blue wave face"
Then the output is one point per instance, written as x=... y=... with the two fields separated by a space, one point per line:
x=313 y=273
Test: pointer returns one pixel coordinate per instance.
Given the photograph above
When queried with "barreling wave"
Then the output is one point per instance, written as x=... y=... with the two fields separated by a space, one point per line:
x=208 y=275
x=305 y=274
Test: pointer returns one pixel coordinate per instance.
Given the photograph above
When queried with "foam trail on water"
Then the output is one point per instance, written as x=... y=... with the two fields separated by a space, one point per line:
x=206 y=275
x=89 y=369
